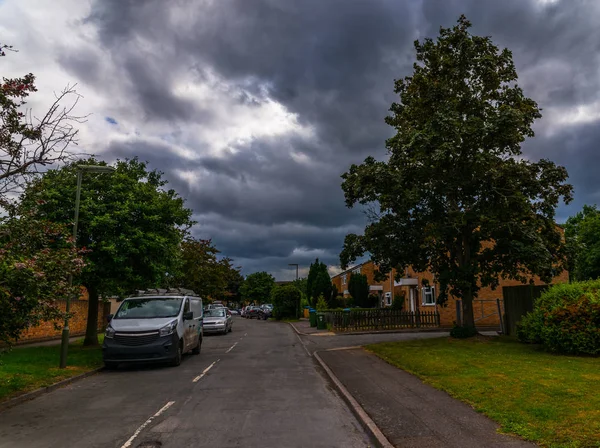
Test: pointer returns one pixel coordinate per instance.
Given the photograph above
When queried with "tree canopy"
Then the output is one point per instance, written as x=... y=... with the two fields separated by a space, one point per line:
x=204 y=273
x=132 y=226
x=29 y=142
x=257 y=287
x=582 y=232
x=36 y=259
x=455 y=196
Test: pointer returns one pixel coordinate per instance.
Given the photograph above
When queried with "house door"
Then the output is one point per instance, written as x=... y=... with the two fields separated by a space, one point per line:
x=412 y=298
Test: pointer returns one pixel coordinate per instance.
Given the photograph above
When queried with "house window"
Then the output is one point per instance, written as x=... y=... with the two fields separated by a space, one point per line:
x=344 y=279
x=428 y=295
x=356 y=271
x=388 y=298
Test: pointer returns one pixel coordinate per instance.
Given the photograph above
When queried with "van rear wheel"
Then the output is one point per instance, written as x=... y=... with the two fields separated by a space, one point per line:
x=196 y=350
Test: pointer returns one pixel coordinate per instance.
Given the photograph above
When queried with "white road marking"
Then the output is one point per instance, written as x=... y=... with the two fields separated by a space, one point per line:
x=246 y=334
x=231 y=348
x=204 y=372
x=146 y=423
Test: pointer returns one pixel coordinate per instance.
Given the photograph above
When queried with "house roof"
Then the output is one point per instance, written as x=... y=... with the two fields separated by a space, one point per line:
x=351 y=269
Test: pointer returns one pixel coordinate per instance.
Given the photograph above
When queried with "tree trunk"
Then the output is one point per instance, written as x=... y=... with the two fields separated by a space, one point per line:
x=467 y=309
x=467 y=299
x=91 y=331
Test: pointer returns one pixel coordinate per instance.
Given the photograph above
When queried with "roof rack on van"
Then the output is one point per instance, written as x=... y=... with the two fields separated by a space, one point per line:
x=165 y=292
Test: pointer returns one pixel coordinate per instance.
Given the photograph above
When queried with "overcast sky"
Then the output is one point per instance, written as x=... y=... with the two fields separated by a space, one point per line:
x=254 y=108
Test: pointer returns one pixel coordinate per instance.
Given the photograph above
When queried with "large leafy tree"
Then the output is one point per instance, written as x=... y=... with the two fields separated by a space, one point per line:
x=455 y=196
x=36 y=259
x=582 y=233
x=201 y=271
x=358 y=287
x=131 y=224
x=29 y=142
x=234 y=280
x=257 y=287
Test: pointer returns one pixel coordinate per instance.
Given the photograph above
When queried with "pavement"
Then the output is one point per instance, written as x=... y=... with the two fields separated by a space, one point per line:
x=259 y=389
x=48 y=343
x=407 y=412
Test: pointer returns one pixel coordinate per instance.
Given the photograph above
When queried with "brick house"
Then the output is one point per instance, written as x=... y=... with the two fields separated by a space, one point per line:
x=421 y=298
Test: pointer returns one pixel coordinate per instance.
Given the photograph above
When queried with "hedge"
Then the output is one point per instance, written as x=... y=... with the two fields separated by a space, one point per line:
x=565 y=319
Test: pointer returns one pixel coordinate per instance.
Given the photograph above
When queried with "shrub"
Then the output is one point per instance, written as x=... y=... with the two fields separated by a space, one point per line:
x=566 y=319
x=398 y=302
x=462 y=332
x=321 y=303
x=286 y=300
x=372 y=302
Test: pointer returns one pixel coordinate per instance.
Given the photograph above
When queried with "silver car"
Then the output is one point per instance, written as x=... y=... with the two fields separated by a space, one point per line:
x=217 y=320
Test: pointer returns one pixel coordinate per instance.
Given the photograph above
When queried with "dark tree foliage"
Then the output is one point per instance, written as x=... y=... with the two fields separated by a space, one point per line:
x=455 y=196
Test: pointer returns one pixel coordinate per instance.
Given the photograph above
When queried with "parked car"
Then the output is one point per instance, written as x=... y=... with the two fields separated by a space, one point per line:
x=253 y=312
x=266 y=311
x=235 y=312
x=218 y=320
x=156 y=325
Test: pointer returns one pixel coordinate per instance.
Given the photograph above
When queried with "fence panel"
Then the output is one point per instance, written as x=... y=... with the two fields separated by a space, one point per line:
x=518 y=301
x=381 y=319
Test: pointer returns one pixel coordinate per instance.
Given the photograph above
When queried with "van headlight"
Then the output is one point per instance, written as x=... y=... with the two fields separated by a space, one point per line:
x=110 y=332
x=168 y=329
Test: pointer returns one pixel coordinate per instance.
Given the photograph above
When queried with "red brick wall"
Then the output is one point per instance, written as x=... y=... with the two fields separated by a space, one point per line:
x=77 y=323
x=488 y=307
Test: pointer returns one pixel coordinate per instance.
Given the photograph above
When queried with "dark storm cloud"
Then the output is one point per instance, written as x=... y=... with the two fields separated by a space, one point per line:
x=333 y=64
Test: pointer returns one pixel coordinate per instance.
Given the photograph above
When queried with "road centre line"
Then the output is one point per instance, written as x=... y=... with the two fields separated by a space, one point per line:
x=204 y=372
x=231 y=348
x=146 y=423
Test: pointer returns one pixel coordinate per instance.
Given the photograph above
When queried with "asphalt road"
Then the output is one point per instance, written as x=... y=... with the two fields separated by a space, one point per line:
x=259 y=389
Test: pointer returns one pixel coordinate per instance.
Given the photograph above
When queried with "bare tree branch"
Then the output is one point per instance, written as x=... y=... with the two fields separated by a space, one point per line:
x=30 y=144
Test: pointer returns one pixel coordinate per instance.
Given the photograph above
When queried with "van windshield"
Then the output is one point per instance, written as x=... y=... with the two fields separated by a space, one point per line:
x=151 y=308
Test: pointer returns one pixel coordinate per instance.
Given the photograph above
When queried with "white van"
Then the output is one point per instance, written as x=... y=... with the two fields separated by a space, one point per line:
x=156 y=325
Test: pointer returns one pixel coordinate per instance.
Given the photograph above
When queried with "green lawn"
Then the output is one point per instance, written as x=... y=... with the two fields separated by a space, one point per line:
x=28 y=368
x=550 y=399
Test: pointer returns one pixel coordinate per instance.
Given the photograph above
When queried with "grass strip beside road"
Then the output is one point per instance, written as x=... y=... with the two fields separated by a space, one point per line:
x=550 y=399
x=25 y=369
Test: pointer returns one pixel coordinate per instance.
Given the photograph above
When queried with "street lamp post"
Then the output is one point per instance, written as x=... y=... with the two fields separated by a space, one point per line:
x=64 y=345
x=298 y=307
x=294 y=264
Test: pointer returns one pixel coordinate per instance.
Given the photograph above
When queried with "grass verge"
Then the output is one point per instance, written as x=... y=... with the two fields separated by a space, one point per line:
x=552 y=400
x=25 y=369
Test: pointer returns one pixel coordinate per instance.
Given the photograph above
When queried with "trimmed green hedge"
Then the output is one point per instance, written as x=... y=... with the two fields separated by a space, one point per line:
x=565 y=319
x=286 y=301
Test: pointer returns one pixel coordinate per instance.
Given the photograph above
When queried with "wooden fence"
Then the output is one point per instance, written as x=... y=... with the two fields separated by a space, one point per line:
x=518 y=301
x=381 y=319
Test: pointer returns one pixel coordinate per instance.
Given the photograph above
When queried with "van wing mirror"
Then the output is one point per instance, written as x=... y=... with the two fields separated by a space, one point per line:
x=188 y=316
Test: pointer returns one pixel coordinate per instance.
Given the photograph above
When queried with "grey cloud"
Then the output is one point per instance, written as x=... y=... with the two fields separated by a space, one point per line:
x=333 y=64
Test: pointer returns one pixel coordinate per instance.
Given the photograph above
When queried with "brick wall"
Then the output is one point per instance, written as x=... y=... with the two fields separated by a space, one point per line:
x=79 y=308
x=485 y=304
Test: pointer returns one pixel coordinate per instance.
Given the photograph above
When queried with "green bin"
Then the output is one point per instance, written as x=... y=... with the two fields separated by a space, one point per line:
x=321 y=322
x=312 y=316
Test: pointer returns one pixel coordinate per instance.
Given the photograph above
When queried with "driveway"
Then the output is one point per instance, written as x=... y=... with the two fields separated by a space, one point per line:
x=254 y=387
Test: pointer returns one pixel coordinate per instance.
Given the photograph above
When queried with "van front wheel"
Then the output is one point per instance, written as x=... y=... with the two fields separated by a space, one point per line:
x=177 y=360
